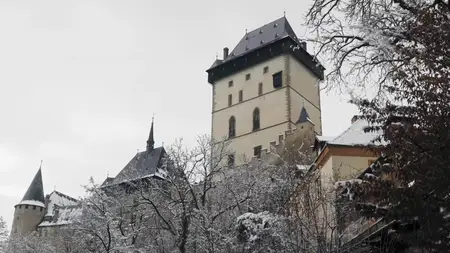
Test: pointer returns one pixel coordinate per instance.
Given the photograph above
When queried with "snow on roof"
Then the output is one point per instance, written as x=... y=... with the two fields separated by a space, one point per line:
x=63 y=216
x=59 y=199
x=32 y=203
x=324 y=138
x=303 y=167
x=355 y=135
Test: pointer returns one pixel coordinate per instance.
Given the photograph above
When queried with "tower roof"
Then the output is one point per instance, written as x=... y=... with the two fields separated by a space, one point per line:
x=263 y=36
x=261 y=44
x=35 y=192
x=304 y=117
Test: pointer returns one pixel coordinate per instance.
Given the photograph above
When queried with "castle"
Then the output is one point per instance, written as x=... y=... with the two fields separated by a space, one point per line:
x=265 y=93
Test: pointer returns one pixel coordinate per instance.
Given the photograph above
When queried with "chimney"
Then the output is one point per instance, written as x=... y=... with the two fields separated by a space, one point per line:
x=225 y=52
x=354 y=118
x=303 y=45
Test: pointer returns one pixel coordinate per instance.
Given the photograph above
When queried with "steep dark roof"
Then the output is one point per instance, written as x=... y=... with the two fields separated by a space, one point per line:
x=268 y=41
x=304 y=117
x=142 y=165
x=263 y=36
x=36 y=189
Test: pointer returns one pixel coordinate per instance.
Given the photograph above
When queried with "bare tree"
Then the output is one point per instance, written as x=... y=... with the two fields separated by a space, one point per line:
x=360 y=38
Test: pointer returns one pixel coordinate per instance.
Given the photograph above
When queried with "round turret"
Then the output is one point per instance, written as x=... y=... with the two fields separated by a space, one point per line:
x=30 y=211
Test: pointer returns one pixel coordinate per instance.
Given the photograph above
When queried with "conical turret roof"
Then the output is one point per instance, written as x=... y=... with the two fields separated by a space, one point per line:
x=35 y=192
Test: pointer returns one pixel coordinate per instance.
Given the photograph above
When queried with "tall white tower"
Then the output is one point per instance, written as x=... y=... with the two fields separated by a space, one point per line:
x=260 y=88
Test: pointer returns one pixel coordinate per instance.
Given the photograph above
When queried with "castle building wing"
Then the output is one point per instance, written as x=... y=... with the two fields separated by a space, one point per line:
x=61 y=210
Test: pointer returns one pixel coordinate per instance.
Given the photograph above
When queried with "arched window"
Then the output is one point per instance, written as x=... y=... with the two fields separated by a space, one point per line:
x=231 y=127
x=256 y=119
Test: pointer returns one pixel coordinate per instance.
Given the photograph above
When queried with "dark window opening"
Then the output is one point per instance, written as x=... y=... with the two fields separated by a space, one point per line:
x=34 y=207
x=231 y=127
x=230 y=83
x=41 y=209
x=230 y=160
x=247 y=77
x=230 y=100
x=278 y=79
x=266 y=69
x=26 y=206
x=256 y=119
x=240 y=96
x=257 y=151
x=20 y=206
x=260 y=89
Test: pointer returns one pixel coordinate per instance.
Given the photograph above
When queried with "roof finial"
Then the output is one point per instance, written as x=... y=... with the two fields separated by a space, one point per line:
x=40 y=166
x=245 y=30
x=54 y=188
x=284 y=13
x=107 y=174
x=217 y=56
x=151 y=141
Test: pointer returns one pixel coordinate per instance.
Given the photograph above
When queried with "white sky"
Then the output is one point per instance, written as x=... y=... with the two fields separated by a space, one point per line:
x=81 y=79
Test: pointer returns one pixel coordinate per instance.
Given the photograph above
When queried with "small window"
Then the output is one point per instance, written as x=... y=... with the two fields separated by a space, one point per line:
x=260 y=89
x=230 y=160
x=41 y=209
x=34 y=207
x=26 y=206
x=230 y=83
x=240 y=96
x=257 y=151
x=20 y=206
x=256 y=119
x=247 y=77
x=231 y=127
x=230 y=100
x=266 y=69
x=278 y=80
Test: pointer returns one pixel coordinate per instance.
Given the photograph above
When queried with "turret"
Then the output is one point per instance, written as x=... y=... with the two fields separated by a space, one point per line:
x=30 y=210
x=151 y=141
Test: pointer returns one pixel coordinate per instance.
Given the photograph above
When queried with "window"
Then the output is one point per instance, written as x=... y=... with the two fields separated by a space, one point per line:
x=257 y=151
x=230 y=100
x=265 y=70
x=230 y=160
x=240 y=96
x=20 y=206
x=231 y=127
x=230 y=83
x=26 y=206
x=277 y=79
x=256 y=119
x=41 y=209
x=280 y=138
x=247 y=77
x=34 y=207
x=260 y=89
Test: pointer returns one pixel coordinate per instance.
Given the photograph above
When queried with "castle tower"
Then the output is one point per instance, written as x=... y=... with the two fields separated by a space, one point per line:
x=30 y=211
x=260 y=88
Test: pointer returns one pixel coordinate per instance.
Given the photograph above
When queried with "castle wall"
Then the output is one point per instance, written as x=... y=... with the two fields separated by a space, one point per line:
x=26 y=218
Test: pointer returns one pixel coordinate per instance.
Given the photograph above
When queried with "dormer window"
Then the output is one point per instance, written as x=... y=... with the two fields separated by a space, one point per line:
x=247 y=77
x=230 y=83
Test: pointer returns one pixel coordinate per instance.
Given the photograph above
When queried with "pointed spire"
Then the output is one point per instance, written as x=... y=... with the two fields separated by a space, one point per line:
x=151 y=141
x=304 y=117
x=36 y=189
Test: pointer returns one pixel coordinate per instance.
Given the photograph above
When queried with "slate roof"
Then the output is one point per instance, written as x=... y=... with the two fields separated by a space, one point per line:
x=63 y=216
x=143 y=164
x=263 y=36
x=304 y=117
x=35 y=192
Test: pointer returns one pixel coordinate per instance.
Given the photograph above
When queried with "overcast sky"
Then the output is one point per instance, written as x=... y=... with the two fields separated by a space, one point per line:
x=80 y=80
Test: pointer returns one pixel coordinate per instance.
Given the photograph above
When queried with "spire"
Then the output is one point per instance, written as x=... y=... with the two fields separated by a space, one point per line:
x=151 y=141
x=304 y=117
x=36 y=189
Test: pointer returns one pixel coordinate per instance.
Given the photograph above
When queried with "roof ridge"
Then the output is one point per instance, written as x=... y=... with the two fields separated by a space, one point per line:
x=65 y=196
